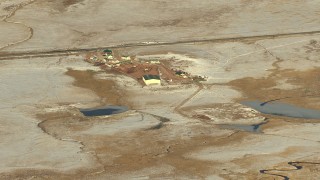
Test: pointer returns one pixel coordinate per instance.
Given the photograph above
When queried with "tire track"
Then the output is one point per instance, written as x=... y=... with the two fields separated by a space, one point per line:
x=178 y=107
x=296 y=164
x=59 y=52
x=12 y=13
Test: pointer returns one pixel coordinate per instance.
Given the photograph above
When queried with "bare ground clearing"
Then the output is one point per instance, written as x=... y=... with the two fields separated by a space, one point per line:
x=249 y=50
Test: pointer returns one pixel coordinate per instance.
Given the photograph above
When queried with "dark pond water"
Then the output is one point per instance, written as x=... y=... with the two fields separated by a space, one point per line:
x=103 y=111
x=256 y=128
x=282 y=109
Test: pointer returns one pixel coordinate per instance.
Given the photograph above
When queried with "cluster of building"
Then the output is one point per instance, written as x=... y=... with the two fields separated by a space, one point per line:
x=107 y=58
x=147 y=72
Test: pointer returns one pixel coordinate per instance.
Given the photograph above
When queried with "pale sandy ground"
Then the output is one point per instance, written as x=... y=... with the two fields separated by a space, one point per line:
x=43 y=88
x=11 y=33
x=25 y=87
x=137 y=144
x=99 y=23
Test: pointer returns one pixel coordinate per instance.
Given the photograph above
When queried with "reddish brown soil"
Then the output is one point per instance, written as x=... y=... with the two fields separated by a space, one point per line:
x=70 y=2
x=307 y=93
x=107 y=90
x=137 y=70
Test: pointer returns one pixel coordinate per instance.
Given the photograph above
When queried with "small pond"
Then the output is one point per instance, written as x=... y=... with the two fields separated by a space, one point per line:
x=282 y=109
x=256 y=128
x=103 y=111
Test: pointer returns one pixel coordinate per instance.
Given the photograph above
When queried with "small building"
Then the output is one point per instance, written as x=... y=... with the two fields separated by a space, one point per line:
x=151 y=79
x=107 y=51
x=94 y=58
x=126 y=58
x=155 y=62
x=109 y=56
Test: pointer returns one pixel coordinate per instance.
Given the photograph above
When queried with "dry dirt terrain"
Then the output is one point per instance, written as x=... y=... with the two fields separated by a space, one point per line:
x=247 y=49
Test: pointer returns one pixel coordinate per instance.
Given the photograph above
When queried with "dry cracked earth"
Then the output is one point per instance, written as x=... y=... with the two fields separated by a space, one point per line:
x=250 y=50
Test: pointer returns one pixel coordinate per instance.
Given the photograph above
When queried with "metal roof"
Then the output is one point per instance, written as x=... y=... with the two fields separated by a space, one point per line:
x=107 y=51
x=149 y=76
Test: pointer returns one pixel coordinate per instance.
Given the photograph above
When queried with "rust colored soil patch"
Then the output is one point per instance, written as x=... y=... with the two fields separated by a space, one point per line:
x=306 y=94
x=133 y=152
x=106 y=89
x=147 y=149
x=61 y=5
x=70 y=2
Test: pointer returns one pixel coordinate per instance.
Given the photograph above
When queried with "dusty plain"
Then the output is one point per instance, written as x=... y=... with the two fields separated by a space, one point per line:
x=248 y=49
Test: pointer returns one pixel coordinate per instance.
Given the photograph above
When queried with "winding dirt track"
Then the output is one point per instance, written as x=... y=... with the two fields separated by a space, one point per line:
x=296 y=165
x=6 y=19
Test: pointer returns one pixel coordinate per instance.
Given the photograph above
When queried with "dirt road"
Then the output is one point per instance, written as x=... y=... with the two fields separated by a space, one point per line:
x=60 y=52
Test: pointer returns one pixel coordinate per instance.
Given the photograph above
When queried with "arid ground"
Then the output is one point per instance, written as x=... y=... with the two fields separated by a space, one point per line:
x=247 y=49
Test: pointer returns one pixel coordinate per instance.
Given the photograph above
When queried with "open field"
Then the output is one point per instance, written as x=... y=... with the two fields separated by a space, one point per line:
x=248 y=50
